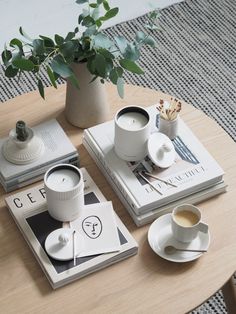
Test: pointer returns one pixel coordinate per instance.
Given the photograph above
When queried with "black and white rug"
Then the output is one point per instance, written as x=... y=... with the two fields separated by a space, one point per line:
x=195 y=60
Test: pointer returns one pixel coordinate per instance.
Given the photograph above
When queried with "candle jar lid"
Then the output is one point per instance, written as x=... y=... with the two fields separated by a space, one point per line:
x=161 y=150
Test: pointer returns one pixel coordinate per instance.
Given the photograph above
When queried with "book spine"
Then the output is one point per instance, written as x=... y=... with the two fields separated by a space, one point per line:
x=116 y=185
x=14 y=184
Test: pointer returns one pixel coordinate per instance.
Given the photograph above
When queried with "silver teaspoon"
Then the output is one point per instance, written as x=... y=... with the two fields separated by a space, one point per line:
x=170 y=249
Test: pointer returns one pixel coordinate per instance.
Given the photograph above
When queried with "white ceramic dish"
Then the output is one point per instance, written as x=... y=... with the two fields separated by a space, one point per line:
x=160 y=235
x=63 y=252
x=159 y=156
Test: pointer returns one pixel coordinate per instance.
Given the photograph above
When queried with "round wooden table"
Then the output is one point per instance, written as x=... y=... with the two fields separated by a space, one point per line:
x=144 y=283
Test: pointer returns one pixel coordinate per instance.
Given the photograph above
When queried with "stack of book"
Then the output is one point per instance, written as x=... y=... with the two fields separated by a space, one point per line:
x=194 y=176
x=58 y=149
x=29 y=210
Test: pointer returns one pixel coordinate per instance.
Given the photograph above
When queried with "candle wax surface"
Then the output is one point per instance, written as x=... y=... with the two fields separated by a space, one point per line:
x=63 y=180
x=132 y=120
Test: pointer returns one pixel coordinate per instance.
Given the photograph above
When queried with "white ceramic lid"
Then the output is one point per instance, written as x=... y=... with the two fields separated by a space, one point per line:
x=161 y=150
x=59 y=244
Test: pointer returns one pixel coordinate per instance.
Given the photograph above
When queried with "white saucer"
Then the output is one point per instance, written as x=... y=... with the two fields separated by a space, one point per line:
x=160 y=235
x=60 y=252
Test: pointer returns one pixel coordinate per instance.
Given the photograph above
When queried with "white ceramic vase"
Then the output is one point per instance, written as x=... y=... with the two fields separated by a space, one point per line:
x=87 y=106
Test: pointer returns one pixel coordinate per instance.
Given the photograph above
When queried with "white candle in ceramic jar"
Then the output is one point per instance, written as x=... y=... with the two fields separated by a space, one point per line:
x=132 y=127
x=64 y=188
x=63 y=180
x=132 y=120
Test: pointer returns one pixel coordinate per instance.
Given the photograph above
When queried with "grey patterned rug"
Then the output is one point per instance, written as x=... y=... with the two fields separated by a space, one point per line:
x=195 y=61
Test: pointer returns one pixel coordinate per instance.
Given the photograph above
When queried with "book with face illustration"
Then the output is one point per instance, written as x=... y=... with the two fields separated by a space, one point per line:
x=105 y=238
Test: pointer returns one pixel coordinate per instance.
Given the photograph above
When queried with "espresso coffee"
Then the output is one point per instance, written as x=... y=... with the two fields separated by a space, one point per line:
x=186 y=218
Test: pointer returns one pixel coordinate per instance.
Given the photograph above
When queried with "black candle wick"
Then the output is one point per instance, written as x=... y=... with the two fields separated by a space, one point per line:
x=21 y=131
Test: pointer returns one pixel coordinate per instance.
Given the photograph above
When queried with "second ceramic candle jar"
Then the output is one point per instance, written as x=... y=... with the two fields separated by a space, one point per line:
x=132 y=130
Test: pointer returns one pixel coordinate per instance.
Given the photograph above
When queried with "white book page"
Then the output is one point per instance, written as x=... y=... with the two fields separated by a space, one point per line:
x=98 y=227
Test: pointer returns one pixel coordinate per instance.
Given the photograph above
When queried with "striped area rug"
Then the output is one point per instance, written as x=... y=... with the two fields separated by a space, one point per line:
x=195 y=60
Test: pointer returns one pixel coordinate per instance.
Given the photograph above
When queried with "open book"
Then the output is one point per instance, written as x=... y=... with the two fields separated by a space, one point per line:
x=194 y=172
x=29 y=210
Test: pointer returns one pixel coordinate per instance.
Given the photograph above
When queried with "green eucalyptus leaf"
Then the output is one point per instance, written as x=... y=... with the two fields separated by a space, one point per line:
x=131 y=66
x=102 y=41
x=48 y=42
x=67 y=49
x=98 y=23
x=146 y=39
x=17 y=54
x=6 y=56
x=23 y=33
x=131 y=52
x=35 y=60
x=100 y=65
x=120 y=87
x=11 y=71
x=23 y=64
x=16 y=42
x=119 y=71
x=113 y=76
x=91 y=30
x=106 y=53
x=121 y=42
x=151 y=27
x=81 y=1
x=70 y=36
x=91 y=65
x=93 y=5
x=88 y=21
x=58 y=39
x=41 y=88
x=59 y=66
x=38 y=47
x=110 y=14
x=99 y=2
x=106 y=5
x=76 y=30
x=154 y=14
x=140 y=36
x=80 y=18
x=56 y=75
x=95 y=14
x=74 y=81
x=109 y=66
x=51 y=76
x=150 y=41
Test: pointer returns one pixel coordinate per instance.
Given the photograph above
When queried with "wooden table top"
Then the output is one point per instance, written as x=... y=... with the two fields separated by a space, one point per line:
x=144 y=283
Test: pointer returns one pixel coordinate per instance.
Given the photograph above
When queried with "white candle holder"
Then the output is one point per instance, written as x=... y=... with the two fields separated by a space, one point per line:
x=132 y=129
x=23 y=152
x=64 y=188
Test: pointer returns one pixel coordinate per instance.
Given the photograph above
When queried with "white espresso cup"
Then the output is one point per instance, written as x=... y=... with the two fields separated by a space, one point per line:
x=186 y=223
x=64 y=187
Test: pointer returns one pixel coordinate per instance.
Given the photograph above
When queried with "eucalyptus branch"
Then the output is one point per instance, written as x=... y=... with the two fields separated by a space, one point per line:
x=104 y=59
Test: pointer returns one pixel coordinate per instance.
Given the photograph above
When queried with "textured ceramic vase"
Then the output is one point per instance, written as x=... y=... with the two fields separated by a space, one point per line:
x=87 y=106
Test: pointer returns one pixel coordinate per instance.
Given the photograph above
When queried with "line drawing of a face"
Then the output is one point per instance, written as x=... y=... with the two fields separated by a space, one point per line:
x=92 y=226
